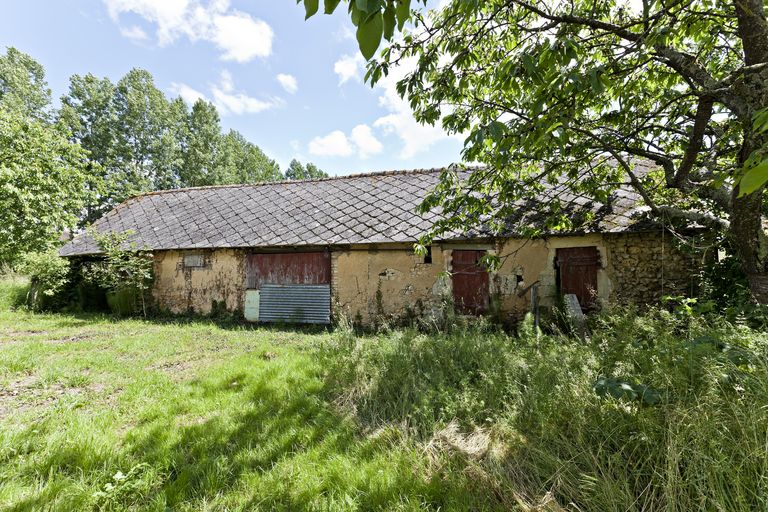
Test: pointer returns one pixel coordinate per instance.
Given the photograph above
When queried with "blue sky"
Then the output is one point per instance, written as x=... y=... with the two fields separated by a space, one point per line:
x=292 y=87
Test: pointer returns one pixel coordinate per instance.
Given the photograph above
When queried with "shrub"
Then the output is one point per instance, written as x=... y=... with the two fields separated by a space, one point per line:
x=13 y=291
x=125 y=272
x=49 y=276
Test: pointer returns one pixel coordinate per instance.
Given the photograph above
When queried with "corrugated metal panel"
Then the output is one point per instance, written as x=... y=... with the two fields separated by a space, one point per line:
x=295 y=303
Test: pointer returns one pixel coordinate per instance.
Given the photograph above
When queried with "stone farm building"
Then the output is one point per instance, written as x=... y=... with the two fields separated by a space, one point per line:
x=310 y=250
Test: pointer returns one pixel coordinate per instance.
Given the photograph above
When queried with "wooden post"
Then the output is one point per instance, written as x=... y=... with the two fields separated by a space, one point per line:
x=535 y=307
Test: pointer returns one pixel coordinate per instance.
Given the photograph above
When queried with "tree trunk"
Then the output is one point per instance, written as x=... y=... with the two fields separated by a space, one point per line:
x=746 y=216
x=751 y=243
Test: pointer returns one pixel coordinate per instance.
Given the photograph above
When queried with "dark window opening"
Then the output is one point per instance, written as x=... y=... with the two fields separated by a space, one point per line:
x=428 y=256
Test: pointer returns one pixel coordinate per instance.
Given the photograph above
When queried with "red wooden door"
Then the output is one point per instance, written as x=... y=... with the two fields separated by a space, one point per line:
x=577 y=268
x=288 y=268
x=470 y=282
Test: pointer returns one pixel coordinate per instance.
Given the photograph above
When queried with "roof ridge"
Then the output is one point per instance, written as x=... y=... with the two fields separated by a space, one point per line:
x=401 y=172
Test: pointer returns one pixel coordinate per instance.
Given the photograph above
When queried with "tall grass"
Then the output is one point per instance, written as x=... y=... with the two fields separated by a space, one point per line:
x=681 y=425
x=660 y=411
x=13 y=291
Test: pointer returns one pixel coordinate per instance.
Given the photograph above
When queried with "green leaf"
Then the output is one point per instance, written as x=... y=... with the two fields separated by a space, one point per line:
x=761 y=121
x=355 y=14
x=403 y=13
x=310 y=7
x=753 y=178
x=369 y=35
x=389 y=21
x=330 y=6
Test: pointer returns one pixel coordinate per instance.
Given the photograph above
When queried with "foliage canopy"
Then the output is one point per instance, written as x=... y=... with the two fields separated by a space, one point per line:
x=576 y=92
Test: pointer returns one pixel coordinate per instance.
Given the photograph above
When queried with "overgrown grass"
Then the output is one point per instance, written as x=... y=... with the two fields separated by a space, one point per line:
x=679 y=419
x=101 y=414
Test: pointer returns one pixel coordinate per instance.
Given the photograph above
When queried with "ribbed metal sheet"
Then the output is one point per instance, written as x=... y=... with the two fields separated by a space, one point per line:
x=295 y=303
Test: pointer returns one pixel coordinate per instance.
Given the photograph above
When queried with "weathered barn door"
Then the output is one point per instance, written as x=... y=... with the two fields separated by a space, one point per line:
x=577 y=273
x=470 y=282
x=289 y=287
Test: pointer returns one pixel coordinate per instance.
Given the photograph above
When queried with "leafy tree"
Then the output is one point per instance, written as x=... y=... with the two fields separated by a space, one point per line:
x=240 y=161
x=313 y=172
x=23 y=88
x=575 y=92
x=203 y=132
x=88 y=114
x=48 y=273
x=374 y=19
x=297 y=171
x=139 y=141
x=125 y=270
x=43 y=185
x=142 y=113
x=169 y=151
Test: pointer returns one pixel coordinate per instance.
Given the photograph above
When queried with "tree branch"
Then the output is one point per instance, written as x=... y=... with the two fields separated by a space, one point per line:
x=703 y=115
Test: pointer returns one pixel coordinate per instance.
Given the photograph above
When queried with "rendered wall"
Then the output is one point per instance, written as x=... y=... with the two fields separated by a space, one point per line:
x=194 y=290
x=639 y=268
x=369 y=283
x=392 y=281
x=535 y=261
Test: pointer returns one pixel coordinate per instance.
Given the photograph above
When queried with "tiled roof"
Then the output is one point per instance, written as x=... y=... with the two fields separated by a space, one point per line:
x=364 y=208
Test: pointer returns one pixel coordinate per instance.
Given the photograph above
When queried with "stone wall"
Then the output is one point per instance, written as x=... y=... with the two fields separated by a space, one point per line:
x=194 y=290
x=646 y=266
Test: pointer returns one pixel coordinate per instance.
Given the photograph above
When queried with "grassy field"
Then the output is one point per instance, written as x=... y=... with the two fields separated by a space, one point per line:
x=97 y=413
x=105 y=414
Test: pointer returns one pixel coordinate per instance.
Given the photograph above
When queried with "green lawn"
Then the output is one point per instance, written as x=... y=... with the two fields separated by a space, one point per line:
x=97 y=413
x=105 y=414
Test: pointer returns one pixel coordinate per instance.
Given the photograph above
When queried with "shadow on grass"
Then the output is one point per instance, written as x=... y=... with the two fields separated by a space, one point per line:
x=235 y=323
x=230 y=323
x=250 y=440
x=286 y=450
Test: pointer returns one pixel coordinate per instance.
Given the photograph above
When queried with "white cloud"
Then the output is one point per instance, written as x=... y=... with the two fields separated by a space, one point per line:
x=361 y=140
x=288 y=82
x=344 y=33
x=134 y=33
x=229 y=101
x=367 y=144
x=187 y=93
x=226 y=98
x=416 y=138
x=239 y=36
x=333 y=144
x=349 y=67
x=226 y=83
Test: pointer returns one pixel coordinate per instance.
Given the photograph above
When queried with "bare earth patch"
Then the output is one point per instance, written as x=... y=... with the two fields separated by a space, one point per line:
x=72 y=339
x=24 y=394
